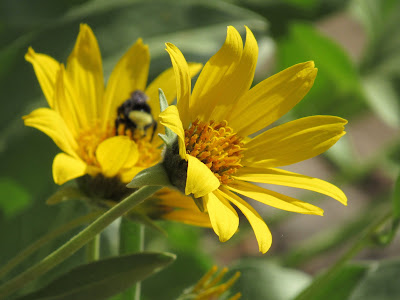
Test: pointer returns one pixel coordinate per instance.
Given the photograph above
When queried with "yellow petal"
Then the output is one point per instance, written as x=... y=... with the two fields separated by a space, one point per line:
x=200 y=180
x=294 y=141
x=215 y=81
x=272 y=98
x=273 y=199
x=171 y=119
x=130 y=74
x=85 y=71
x=66 y=105
x=183 y=82
x=45 y=68
x=223 y=216
x=238 y=82
x=190 y=217
x=66 y=167
x=174 y=198
x=51 y=123
x=261 y=230
x=167 y=82
x=116 y=153
x=286 y=178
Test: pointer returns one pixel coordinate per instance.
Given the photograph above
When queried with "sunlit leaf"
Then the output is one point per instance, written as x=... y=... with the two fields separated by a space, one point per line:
x=337 y=81
x=380 y=65
x=381 y=23
x=383 y=99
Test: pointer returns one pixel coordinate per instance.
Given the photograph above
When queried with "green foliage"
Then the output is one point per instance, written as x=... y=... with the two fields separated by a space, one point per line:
x=13 y=197
x=381 y=282
x=344 y=87
x=380 y=66
x=103 y=278
x=340 y=286
x=281 y=13
x=65 y=193
x=337 y=81
x=396 y=199
x=191 y=263
x=261 y=279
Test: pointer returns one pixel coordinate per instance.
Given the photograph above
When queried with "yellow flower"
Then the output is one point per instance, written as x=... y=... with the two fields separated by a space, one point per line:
x=209 y=287
x=213 y=125
x=172 y=205
x=82 y=119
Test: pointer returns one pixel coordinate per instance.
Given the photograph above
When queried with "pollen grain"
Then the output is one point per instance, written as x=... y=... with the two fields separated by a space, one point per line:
x=217 y=146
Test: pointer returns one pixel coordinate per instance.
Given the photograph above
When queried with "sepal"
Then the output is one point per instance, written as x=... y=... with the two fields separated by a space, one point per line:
x=153 y=176
x=169 y=137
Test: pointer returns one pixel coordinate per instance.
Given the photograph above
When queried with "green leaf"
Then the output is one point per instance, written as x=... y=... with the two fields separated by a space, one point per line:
x=261 y=279
x=169 y=137
x=337 y=81
x=380 y=64
x=197 y=27
x=381 y=283
x=340 y=286
x=163 y=100
x=13 y=197
x=103 y=278
x=381 y=23
x=193 y=260
x=386 y=236
x=280 y=13
x=382 y=97
x=188 y=268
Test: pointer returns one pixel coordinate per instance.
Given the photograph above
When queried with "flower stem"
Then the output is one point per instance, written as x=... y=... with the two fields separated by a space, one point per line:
x=77 y=241
x=138 y=286
x=331 y=239
x=362 y=241
x=93 y=249
x=131 y=240
x=24 y=254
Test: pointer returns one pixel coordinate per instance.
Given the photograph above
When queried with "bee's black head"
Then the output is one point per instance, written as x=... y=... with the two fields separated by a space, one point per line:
x=139 y=101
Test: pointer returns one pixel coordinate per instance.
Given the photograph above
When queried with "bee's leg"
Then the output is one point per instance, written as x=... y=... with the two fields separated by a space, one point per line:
x=117 y=122
x=154 y=130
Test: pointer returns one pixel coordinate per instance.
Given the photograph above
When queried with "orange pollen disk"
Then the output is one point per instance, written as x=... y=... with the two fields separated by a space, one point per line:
x=217 y=146
x=89 y=139
x=149 y=154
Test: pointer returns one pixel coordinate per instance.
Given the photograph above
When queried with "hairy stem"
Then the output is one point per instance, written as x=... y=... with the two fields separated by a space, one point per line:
x=24 y=254
x=77 y=241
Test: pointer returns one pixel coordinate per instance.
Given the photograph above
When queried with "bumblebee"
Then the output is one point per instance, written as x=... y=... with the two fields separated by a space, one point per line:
x=135 y=114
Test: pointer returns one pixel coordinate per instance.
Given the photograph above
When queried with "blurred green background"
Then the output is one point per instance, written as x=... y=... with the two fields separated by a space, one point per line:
x=355 y=45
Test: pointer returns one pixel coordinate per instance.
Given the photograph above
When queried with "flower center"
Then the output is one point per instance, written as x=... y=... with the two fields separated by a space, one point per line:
x=134 y=119
x=217 y=146
x=90 y=138
x=149 y=154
